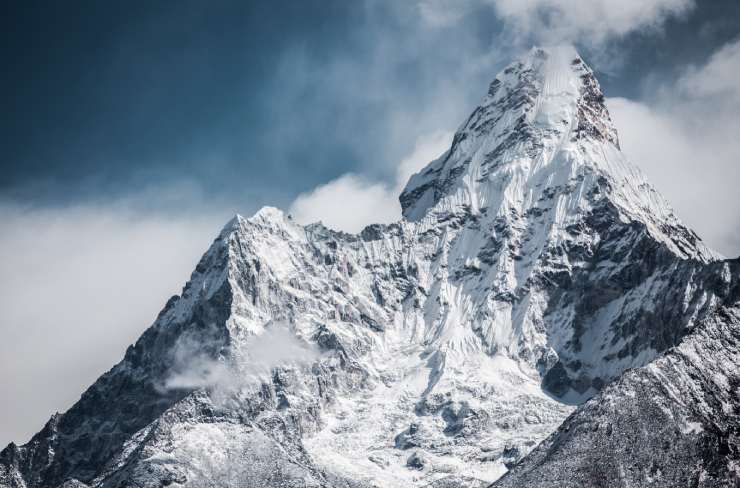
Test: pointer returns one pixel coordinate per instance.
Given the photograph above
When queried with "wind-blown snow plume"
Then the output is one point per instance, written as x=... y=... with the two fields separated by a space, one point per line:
x=592 y=20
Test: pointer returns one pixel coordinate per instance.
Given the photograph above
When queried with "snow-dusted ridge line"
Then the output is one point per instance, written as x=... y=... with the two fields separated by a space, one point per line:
x=533 y=266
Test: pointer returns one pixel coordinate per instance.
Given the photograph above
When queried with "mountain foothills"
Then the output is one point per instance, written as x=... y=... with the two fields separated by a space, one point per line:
x=539 y=317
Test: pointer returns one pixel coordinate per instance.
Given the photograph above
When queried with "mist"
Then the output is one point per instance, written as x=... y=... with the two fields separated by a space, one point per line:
x=250 y=363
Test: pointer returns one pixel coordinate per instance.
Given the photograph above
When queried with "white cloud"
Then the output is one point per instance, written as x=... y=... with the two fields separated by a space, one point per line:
x=685 y=139
x=594 y=21
x=276 y=346
x=558 y=21
x=717 y=78
x=442 y=13
x=596 y=26
x=78 y=286
x=347 y=203
x=427 y=148
x=351 y=202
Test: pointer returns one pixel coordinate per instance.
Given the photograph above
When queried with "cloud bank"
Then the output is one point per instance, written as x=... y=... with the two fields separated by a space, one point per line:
x=556 y=21
x=684 y=136
x=351 y=202
x=591 y=21
x=78 y=286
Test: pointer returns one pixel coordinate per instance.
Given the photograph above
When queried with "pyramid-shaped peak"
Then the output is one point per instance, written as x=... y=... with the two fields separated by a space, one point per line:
x=547 y=102
x=542 y=134
x=553 y=87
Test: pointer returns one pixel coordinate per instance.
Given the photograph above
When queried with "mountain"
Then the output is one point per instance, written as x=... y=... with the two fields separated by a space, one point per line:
x=536 y=288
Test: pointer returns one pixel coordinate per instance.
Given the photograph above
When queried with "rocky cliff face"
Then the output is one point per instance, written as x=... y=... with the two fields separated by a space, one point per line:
x=533 y=266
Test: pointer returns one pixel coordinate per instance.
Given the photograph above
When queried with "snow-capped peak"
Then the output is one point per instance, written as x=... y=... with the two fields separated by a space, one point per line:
x=542 y=134
x=534 y=108
x=568 y=94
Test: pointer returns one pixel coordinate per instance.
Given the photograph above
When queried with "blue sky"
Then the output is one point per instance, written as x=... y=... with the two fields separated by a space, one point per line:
x=134 y=130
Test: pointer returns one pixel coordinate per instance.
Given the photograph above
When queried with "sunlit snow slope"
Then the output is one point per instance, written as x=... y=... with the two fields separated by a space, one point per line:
x=533 y=266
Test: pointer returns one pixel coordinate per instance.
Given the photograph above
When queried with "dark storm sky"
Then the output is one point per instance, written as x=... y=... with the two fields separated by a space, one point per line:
x=248 y=103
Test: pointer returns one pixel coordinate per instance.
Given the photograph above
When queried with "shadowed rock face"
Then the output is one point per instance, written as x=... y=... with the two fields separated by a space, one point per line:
x=674 y=422
x=534 y=265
